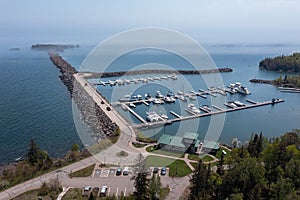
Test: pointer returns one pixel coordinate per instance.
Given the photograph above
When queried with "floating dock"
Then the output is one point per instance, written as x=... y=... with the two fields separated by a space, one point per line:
x=180 y=118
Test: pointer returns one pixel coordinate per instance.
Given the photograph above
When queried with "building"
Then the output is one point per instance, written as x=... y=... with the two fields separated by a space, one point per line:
x=188 y=143
x=209 y=146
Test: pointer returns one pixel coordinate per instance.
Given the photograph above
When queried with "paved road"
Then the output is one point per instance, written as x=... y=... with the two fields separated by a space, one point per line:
x=109 y=155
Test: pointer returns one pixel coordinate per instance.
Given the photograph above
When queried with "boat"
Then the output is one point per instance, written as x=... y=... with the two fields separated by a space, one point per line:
x=127 y=81
x=192 y=97
x=164 y=116
x=193 y=109
x=170 y=94
x=239 y=104
x=158 y=101
x=153 y=117
x=126 y=98
x=206 y=107
x=103 y=83
x=159 y=95
x=131 y=105
x=169 y=99
x=182 y=98
x=243 y=90
x=150 y=79
x=180 y=92
x=173 y=76
x=111 y=83
x=231 y=104
x=164 y=77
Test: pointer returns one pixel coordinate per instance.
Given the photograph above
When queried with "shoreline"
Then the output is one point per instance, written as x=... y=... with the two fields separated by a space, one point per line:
x=101 y=124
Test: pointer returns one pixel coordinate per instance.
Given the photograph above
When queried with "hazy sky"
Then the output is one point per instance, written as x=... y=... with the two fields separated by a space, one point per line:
x=249 y=21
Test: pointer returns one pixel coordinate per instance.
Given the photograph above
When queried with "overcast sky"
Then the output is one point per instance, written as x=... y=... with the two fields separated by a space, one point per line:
x=248 y=21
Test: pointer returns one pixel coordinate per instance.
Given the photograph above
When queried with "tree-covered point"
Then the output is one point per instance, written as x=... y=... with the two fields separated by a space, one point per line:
x=260 y=169
x=290 y=63
x=288 y=81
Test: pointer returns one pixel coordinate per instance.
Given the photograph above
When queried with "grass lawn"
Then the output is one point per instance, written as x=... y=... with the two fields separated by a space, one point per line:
x=156 y=161
x=218 y=155
x=138 y=145
x=143 y=138
x=194 y=157
x=33 y=194
x=195 y=165
x=164 y=192
x=207 y=158
x=179 y=168
x=74 y=193
x=84 y=172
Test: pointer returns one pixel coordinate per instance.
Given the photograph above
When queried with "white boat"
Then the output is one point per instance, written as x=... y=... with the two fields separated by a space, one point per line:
x=153 y=117
x=126 y=98
x=173 y=76
x=192 y=98
x=169 y=99
x=164 y=116
x=180 y=92
x=159 y=95
x=243 y=90
x=131 y=105
x=158 y=101
x=182 y=98
x=193 y=109
x=206 y=107
x=111 y=83
x=127 y=81
x=239 y=104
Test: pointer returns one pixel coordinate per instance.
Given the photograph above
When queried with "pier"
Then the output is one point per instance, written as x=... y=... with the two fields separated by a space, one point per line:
x=135 y=114
x=180 y=118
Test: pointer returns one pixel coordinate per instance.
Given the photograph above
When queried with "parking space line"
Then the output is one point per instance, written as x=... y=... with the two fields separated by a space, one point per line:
x=125 y=191
x=117 y=191
x=108 y=191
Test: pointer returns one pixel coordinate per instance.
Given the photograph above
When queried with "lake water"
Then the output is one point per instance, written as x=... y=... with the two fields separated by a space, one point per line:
x=35 y=104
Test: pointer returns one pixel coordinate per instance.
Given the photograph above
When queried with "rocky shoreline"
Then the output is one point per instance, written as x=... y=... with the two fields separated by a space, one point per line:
x=157 y=71
x=270 y=82
x=91 y=113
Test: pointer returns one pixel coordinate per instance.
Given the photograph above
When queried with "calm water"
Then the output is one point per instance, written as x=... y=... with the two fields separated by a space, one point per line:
x=35 y=104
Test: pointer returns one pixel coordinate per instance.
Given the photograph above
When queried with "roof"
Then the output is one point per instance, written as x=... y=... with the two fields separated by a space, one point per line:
x=190 y=135
x=210 y=144
x=165 y=139
x=177 y=141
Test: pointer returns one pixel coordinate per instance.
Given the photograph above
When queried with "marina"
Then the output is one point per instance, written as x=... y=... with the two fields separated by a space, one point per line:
x=205 y=114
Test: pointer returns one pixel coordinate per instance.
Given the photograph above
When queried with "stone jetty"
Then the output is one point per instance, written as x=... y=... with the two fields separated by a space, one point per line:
x=262 y=81
x=91 y=113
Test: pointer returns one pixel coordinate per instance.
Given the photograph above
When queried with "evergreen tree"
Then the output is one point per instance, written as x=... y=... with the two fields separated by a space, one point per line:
x=141 y=184
x=198 y=181
x=33 y=153
x=154 y=187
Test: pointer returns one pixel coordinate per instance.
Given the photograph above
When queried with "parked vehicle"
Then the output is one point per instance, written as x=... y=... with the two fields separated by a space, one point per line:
x=119 y=171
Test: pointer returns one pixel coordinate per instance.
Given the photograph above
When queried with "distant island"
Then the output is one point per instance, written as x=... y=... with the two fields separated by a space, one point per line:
x=290 y=63
x=55 y=47
x=14 y=49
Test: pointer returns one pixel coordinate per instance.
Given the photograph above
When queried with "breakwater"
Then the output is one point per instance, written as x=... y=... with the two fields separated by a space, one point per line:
x=91 y=113
x=156 y=71
x=53 y=47
x=262 y=81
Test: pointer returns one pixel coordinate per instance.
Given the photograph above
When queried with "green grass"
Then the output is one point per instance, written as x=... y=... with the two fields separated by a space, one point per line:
x=33 y=194
x=138 y=145
x=218 y=155
x=194 y=157
x=156 y=161
x=84 y=172
x=194 y=164
x=74 y=194
x=207 y=158
x=179 y=168
x=143 y=138
x=164 y=192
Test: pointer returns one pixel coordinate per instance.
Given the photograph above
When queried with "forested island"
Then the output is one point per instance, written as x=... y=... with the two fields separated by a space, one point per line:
x=54 y=47
x=290 y=63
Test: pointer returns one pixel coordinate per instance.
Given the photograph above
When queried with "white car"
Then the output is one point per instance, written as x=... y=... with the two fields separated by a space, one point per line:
x=103 y=191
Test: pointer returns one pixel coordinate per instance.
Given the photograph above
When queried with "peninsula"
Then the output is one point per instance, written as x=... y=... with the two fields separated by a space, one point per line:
x=290 y=63
x=53 y=47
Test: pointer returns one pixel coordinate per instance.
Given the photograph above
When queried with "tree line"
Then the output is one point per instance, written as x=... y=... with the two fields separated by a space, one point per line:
x=260 y=169
x=290 y=63
x=36 y=162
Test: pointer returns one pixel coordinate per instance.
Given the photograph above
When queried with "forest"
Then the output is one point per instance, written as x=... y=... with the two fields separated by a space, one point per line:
x=290 y=63
x=261 y=169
